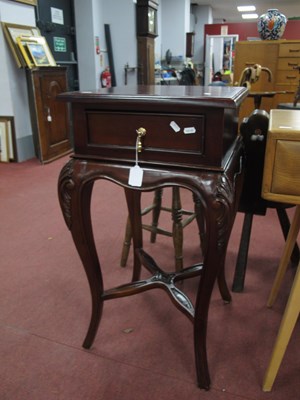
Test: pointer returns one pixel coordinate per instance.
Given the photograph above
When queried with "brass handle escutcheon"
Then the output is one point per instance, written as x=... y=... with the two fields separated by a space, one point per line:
x=140 y=132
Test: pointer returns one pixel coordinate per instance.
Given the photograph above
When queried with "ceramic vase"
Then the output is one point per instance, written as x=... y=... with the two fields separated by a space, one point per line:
x=271 y=25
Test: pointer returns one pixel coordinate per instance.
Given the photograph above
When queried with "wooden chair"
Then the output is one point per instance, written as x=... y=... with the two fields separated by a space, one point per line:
x=254 y=130
x=292 y=309
x=281 y=182
x=177 y=230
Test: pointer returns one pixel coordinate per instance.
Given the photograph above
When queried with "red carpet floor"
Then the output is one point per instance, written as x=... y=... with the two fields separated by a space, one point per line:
x=144 y=347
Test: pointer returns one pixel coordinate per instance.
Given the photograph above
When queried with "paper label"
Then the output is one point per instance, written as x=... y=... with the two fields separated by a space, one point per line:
x=174 y=126
x=135 y=176
x=189 y=131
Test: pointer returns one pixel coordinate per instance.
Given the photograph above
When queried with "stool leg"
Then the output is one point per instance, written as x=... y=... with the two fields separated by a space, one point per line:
x=287 y=325
x=156 y=213
x=126 y=244
x=289 y=245
x=241 y=263
x=177 y=228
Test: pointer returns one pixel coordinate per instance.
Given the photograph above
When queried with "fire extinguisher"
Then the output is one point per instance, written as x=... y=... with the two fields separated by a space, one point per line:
x=106 y=78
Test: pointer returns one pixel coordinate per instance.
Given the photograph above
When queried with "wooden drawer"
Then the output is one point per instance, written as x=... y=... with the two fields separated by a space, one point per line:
x=289 y=50
x=186 y=126
x=281 y=179
x=287 y=97
x=288 y=77
x=288 y=63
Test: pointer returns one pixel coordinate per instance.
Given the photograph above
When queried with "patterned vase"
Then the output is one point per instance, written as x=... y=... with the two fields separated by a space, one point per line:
x=271 y=25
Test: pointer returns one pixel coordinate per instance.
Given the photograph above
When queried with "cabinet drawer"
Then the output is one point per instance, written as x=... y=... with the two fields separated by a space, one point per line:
x=281 y=179
x=289 y=77
x=171 y=138
x=286 y=178
x=289 y=50
x=288 y=63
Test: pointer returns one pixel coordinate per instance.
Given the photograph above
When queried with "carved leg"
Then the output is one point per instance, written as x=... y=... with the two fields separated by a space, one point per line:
x=156 y=213
x=200 y=212
x=133 y=198
x=218 y=222
x=177 y=231
x=75 y=201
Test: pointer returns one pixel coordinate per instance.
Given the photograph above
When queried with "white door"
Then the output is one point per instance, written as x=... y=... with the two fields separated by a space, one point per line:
x=219 y=55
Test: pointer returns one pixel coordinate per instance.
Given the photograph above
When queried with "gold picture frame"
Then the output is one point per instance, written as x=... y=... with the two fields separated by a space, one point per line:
x=38 y=54
x=35 y=51
x=12 y=32
x=22 y=43
x=32 y=2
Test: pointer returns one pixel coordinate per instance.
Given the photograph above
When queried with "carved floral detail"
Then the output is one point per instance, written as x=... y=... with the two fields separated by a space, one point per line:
x=66 y=186
x=224 y=203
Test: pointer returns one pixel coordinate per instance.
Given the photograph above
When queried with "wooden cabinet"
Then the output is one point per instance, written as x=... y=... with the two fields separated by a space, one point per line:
x=281 y=181
x=280 y=56
x=287 y=77
x=184 y=126
x=50 y=119
x=146 y=61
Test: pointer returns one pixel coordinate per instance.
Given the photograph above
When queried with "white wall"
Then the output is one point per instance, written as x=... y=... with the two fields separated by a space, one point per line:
x=175 y=22
x=85 y=13
x=91 y=16
x=202 y=15
x=13 y=87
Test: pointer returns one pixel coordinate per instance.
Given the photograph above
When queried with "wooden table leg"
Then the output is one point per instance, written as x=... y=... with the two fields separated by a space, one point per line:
x=133 y=198
x=74 y=191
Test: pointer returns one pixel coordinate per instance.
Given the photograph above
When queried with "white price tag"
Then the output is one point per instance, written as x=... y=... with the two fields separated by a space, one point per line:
x=189 y=130
x=135 y=176
x=174 y=126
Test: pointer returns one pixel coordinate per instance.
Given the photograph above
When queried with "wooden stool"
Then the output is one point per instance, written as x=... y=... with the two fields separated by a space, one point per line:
x=281 y=182
x=178 y=225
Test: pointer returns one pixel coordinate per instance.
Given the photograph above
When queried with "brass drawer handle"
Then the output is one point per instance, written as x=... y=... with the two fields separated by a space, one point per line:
x=140 y=132
x=292 y=64
x=294 y=50
x=291 y=77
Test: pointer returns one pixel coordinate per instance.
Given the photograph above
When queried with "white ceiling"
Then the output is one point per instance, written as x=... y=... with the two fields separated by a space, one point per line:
x=227 y=9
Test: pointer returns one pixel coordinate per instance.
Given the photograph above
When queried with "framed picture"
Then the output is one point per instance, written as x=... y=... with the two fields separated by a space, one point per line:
x=38 y=54
x=42 y=54
x=32 y=2
x=12 y=32
x=7 y=140
x=22 y=43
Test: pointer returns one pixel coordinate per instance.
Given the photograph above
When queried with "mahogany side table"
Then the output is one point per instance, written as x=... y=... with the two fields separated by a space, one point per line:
x=188 y=139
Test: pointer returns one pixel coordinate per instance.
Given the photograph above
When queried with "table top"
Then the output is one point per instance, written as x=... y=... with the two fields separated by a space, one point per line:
x=216 y=96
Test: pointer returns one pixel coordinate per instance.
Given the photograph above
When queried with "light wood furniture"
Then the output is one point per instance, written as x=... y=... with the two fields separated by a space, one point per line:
x=280 y=57
x=281 y=183
x=203 y=154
